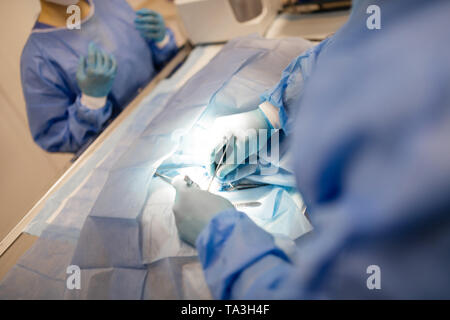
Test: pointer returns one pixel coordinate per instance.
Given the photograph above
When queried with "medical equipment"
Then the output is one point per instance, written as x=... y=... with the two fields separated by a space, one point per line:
x=189 y=182
x=225 y=151
x=225 y=19
x=169 y=180
x=252 y=204
x=250 y=129
x=241 y=186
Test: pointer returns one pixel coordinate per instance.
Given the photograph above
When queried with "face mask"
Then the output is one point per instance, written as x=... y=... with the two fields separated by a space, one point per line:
x=64 y=2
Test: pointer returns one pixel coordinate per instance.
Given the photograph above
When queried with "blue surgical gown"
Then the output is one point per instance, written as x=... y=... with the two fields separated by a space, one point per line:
x=371 y=143
x=57 y=119
x=290 y=86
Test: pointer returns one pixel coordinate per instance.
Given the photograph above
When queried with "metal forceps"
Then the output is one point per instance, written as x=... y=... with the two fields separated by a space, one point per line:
x=228 y=142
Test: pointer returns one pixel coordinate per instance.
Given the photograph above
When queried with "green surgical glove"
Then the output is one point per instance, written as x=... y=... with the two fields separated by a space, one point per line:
x=96 y=72
x=194 y=208
x=249 y=138
x=150 y=25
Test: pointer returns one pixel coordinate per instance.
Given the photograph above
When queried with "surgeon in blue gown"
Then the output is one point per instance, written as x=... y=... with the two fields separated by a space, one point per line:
x=76 y=80
x=371 y=143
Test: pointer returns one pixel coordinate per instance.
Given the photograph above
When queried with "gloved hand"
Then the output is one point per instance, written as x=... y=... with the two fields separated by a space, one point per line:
x=96 y=72
x=150 y=24
x=248 y=140
x=193 y=208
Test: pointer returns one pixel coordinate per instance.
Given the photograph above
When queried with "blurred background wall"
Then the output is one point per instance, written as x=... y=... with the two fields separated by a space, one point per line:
x=26 y=171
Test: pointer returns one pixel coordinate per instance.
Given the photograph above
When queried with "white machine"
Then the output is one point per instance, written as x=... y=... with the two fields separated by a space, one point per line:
x=209 y=21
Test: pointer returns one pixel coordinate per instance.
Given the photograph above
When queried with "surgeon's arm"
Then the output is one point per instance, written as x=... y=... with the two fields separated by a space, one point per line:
x=242 y=261
x=275 y=102
x=338 y=260
x=270 y=115
x=58 y=119
x=239 y=259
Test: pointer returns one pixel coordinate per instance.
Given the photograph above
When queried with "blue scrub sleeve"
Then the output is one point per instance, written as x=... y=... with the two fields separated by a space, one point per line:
x=57 y=119
x=336 y=260
x=164 y=54
x=228 y=245
x=292 y=80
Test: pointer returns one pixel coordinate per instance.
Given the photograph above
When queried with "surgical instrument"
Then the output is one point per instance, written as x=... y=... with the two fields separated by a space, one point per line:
x=228 y=142
x=251 y=204
x=242 y=186
x=187 y=179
